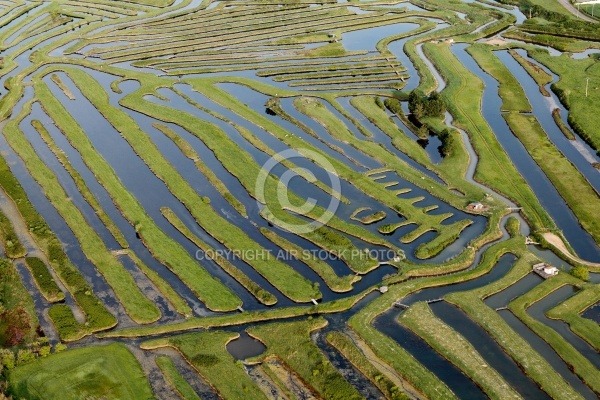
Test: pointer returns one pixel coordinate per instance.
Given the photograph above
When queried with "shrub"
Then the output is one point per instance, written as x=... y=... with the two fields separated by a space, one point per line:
x=580 y=272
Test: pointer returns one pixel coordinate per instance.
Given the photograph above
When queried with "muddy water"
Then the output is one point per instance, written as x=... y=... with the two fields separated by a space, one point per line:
x=245 y=347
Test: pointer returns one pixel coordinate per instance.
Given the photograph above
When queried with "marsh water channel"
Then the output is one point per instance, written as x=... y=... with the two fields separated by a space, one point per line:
x=153 y=194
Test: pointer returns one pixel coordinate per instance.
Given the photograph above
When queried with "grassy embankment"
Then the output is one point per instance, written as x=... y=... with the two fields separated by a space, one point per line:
x=213 y=293
x=44 y=280
x=324 y=270
x=445 y=340
x=80 y=182
x=570 y=310
x=564 y=128
x=580 y=364
x=393 y=354
x=206 y=352
x=56 y=79
x=495 y=168
x=93 y=372
x=510 y=90
x=139 y=308
x=349 y=351
x=97 y=316
x=534 y=365
x=541 y=77
x=574 y=75
x=172 y=375
x=570 y=183
x=245 y=317
x=13 y=248
x=302 y=356
x=190 y=153
x=261 y=294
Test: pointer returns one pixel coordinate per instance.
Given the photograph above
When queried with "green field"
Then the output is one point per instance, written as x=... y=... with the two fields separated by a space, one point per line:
x=180 y=177
x=93 y=372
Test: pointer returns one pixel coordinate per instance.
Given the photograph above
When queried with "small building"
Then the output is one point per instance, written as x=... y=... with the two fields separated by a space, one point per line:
x=383 y=289
x=476 y=206
x=449 y=41
x=550 y=270
x=545 y=270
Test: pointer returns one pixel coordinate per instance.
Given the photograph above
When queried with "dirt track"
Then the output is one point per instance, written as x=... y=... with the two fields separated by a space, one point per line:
x=558 y=243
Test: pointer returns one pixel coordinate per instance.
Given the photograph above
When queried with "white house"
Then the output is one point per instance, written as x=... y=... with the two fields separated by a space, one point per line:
x=550 y=270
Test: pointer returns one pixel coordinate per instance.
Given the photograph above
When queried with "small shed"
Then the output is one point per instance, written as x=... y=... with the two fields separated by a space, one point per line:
x=550 y=270
x=476 y=206
x=545 y=270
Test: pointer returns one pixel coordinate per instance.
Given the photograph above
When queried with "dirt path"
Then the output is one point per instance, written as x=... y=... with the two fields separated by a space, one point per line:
x=567 y=4
x=559 y=244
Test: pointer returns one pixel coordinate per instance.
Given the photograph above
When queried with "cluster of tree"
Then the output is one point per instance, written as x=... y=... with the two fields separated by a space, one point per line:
x=16 y=323
x=580 y=273
x=421 y=105
x=11 y=358
x=447 y=139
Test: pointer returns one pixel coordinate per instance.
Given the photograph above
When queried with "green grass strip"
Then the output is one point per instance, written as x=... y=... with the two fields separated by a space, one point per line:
x=190 y=153
x=570 y=183
x=349 y=351
x=420 y=319
x=139 y=308
x=207 y=353
x=336 y=283
x=541 y=77
x=80 y=182
x=44 y=280
x=570 y=309
x=261 y=294
x=212 y=292
x=495 y=168
x=300 y=354
x=183 y=388
x=580 y=364
x=510 y=90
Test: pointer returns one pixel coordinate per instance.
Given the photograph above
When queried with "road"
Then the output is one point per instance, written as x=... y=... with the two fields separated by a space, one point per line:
x=567 y=4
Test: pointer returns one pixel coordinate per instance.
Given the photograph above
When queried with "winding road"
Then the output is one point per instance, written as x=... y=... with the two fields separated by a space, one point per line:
x=567 y=4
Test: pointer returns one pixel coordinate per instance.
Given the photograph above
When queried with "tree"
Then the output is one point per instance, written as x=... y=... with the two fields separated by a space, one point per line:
x=435 y=106
x=415 y=103
x=580 y=272
x=447 y=139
